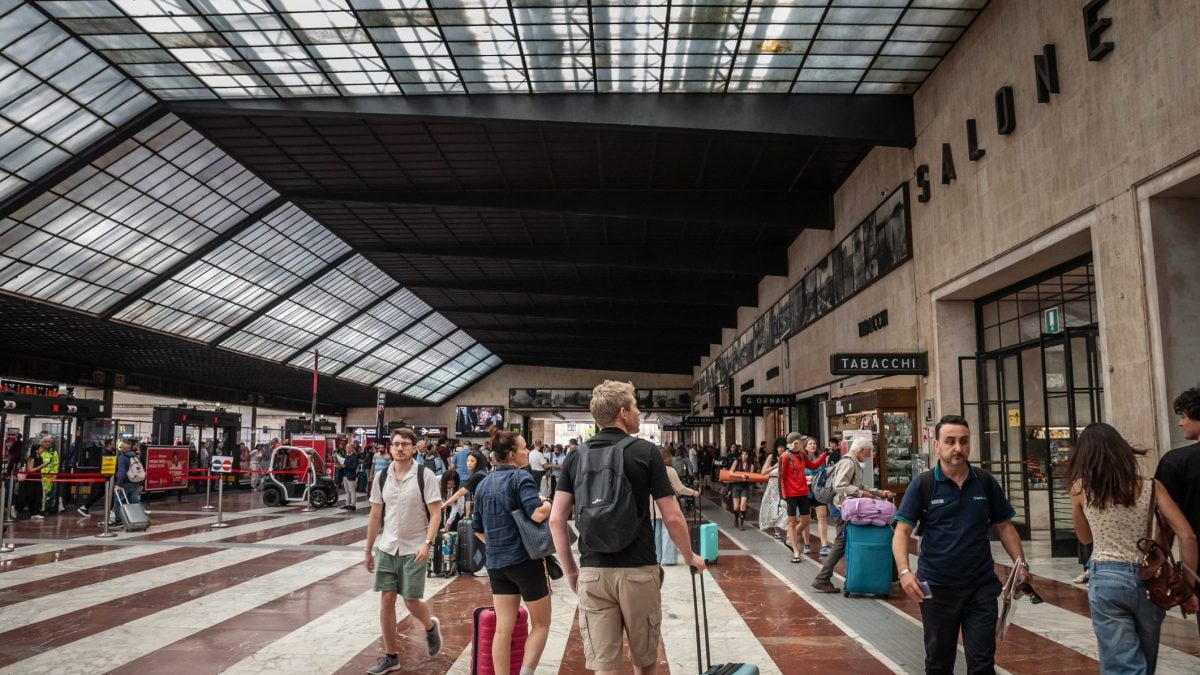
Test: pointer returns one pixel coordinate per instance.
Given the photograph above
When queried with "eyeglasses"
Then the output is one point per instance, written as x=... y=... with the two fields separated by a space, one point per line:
x=403 y=444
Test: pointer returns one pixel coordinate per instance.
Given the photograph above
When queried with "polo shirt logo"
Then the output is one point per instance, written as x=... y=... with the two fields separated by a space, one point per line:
x=936 y=501
x=980 y=499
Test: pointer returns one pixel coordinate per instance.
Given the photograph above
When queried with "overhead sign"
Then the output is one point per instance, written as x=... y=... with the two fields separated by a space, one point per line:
x=432 y=432
x=221 y=464
x=108 y=465
x=674 y=427
x=700 y=421
x=768 y=400
x=737 y=411
x=879 y=364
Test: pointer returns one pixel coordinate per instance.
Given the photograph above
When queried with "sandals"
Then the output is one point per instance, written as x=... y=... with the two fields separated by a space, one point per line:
x=796 y=560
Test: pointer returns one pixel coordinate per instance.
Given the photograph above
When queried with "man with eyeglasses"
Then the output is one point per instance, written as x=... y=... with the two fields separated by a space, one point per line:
x=403 y=540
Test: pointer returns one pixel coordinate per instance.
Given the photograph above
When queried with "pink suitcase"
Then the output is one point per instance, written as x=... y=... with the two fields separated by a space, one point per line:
x=484 y=627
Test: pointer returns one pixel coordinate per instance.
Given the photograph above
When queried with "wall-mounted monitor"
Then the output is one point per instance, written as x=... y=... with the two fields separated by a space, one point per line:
x=474 y=420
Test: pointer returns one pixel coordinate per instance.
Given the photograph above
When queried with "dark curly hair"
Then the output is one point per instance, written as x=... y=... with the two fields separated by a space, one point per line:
x=1188 y=403
x=1105 y=464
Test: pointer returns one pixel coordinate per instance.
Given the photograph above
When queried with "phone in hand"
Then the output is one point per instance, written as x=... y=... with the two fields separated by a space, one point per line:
x=925 y=590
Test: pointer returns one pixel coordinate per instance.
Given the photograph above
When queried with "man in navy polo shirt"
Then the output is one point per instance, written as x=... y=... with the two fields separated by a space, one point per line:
x=955 y=559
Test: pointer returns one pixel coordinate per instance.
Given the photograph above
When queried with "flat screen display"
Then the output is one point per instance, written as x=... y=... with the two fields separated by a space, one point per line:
x=474 y=420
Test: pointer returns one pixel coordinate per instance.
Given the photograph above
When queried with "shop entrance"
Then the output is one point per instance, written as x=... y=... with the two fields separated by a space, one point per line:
x=1031 y=388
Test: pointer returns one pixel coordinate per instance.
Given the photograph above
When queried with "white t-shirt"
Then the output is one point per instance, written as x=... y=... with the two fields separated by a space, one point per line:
x=404 y=528
x=537 y=461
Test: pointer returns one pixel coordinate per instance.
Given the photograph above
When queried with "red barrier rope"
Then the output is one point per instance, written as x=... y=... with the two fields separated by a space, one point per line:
x=38 y=477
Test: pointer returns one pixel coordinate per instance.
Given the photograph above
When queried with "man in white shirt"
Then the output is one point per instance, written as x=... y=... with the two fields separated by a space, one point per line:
x=537 y=467
x=403 y=541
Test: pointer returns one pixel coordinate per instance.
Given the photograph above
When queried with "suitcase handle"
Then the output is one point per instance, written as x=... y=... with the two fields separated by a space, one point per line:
x=698 y=603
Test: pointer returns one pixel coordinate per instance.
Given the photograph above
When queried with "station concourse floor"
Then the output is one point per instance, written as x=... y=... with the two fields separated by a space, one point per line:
x=283 y=591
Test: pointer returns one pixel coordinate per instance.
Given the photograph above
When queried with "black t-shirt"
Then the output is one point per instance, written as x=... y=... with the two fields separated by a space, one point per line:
x=648 y=477
x=1179 y=472
x=474 y=481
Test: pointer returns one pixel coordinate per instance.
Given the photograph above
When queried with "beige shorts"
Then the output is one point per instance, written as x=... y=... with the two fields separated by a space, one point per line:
x=616 y=601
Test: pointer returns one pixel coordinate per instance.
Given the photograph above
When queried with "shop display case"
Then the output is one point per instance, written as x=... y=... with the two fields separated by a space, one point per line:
x=889 y=418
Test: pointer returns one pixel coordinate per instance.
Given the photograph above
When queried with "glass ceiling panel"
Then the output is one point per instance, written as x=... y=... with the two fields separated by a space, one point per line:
x=239 y=278
x=56 y=96
x=281 y=48
x=114 y=225
x=366 y=333
x=482 y=364
x=314 y=310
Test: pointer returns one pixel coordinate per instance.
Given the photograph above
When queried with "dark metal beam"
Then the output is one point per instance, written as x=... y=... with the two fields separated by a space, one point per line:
x=790 y=211
x=583 y=346
x=656 y=316
x=80 y=159
x=204 y=250
x=872 y=120
x=568 y=328
x=266 y=309
x=740 y=292
x=391 y=337
x=748 y=261
x=677 y=367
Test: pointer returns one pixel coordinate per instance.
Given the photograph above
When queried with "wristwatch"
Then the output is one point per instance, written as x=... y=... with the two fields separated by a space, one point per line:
x=429 y=542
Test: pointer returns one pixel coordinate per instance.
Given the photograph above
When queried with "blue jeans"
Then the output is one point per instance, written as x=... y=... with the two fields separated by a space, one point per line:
x=1126 y=622
x=665 y=551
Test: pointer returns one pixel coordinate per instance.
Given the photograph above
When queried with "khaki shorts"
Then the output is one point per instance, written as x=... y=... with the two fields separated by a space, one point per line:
x=615 y=601
x=401 y=575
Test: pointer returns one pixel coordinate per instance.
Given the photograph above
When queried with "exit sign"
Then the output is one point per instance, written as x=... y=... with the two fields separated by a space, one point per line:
x=1052 y=321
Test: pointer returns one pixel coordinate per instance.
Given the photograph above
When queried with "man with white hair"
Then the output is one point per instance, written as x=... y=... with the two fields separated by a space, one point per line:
x=847 y=482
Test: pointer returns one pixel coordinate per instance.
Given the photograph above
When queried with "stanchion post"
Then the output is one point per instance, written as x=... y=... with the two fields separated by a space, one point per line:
x=108 y=499
x=208 y=492
x=220 y=504
x=5 y=492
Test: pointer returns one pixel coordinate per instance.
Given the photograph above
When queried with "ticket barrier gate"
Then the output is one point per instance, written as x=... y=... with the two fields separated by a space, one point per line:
x=77 y=423
x=187 y=425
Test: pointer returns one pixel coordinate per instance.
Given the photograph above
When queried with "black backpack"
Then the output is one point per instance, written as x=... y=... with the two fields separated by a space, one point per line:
x=927 y=482
x=606 y=508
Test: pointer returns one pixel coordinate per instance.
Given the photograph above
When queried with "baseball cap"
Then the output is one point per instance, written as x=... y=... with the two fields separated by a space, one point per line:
x=794 y=436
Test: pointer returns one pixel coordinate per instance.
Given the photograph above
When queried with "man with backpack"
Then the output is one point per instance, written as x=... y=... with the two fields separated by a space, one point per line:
x=955 y=505
x=613 y=478
x=846 y=481
x=130 y=476
x=406 y=512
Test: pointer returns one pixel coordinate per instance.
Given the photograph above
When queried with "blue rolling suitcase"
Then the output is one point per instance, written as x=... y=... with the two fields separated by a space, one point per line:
x=704 y=538
x=720 y=668
x=868 y=560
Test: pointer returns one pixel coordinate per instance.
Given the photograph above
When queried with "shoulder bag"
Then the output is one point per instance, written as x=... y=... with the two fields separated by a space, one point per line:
x=1166 y=585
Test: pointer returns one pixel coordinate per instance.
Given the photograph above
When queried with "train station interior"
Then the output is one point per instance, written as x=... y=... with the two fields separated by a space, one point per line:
x=262 y=231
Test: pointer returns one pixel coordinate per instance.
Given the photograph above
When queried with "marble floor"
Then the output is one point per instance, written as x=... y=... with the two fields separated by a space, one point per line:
x=284 y=591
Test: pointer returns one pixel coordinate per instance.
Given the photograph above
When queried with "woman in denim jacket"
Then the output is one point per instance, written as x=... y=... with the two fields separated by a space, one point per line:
x=513 y=574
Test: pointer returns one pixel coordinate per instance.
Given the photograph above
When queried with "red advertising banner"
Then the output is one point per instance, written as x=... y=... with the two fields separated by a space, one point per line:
x=166 y=468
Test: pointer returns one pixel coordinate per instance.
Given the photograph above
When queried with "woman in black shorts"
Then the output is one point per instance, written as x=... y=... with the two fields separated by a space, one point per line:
x=740 y=491
x=514 y=575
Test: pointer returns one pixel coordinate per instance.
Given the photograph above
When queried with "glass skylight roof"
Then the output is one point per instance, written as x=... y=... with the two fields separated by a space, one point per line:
x=314 y=310
x=392 y=365
x=239 y=278
x=114 y=225
x=480 y=362
x=56 y=96
x=284 y=48
x=366 y=332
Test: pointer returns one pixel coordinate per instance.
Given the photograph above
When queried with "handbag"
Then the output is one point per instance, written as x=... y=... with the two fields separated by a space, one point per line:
x=535 y=536
x=1166 y=585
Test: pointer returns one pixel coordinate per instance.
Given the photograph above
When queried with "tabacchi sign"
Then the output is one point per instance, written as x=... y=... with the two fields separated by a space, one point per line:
x=879 y=364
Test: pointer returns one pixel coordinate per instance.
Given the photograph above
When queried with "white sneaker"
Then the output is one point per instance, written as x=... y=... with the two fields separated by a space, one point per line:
x=37 y=516
x=1083 y=577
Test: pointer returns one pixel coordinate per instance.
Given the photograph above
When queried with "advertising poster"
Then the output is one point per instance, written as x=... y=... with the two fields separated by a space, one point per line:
x=166 y=468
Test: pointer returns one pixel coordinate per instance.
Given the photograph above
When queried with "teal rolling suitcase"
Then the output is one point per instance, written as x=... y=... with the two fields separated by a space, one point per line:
x=704 y=538
x=868 y=560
